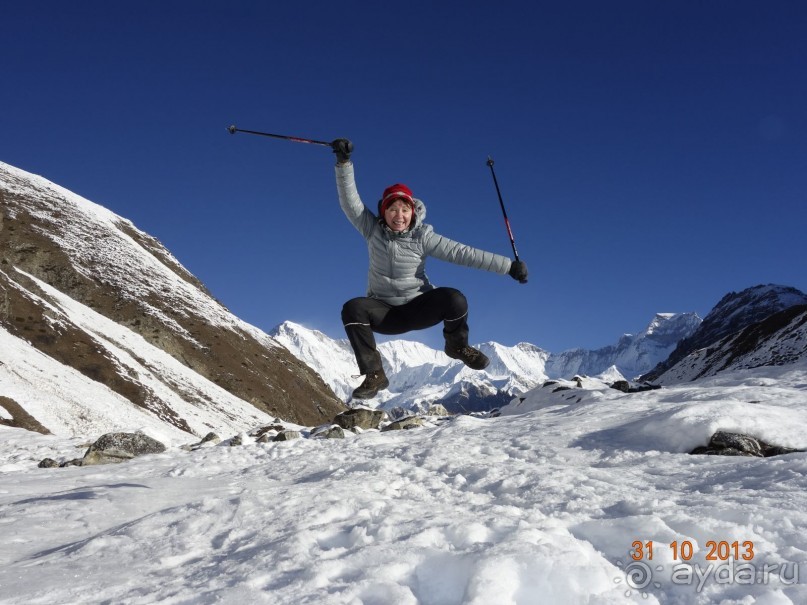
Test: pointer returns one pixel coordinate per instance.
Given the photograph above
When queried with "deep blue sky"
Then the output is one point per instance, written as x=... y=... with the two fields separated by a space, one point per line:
x=652 y=155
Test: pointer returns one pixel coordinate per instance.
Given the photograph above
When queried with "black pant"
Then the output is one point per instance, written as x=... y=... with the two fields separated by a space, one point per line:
x=363 y=316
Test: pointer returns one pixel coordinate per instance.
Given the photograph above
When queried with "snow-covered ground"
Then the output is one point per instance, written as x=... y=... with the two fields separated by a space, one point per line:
x=543 y=505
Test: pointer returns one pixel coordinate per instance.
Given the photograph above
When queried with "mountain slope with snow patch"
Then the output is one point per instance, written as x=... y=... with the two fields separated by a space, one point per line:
x=779 y=339
x=64 y=258
x=734 y=312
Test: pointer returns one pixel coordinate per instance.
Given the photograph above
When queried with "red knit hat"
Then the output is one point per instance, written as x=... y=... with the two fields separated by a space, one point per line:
x=396 y=192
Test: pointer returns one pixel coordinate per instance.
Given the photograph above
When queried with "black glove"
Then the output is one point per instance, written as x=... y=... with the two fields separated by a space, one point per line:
x=518 y=271
x=342 y=148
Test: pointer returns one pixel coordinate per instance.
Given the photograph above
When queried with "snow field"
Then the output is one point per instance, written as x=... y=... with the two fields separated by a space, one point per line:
x=381 y=522
x=540 y=507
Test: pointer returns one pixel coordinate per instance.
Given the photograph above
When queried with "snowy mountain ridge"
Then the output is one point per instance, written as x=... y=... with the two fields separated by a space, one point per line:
x=419 y=374
x=758 y=326
x=83 y=288
x=733 y=313
x=633 y=354
x=779 y=339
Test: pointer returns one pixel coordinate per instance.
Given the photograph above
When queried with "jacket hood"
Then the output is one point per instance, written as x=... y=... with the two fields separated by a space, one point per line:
x=420 y=214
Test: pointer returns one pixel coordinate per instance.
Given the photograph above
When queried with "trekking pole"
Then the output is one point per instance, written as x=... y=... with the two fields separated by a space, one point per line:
x=504 y=212
x=233 y=130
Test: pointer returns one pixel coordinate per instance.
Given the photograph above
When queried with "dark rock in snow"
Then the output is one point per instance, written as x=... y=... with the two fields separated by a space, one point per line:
x=48 y=463
x=73 y=462
x=362 y=418
x=19 y=417
x=211 y=438
x=257 y=434
x=404 y=424
x=332 y=431
x=621 y=385
x=437 y=409
x=119 y=447
x=627 y=387
x=287 y=436
x=724 y=443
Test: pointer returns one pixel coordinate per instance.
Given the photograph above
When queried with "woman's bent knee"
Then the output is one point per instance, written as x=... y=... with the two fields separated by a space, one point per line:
x=352 y=309
x=456 y=300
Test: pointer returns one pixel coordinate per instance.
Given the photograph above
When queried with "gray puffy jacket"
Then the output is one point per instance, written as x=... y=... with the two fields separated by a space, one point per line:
x=398 y=260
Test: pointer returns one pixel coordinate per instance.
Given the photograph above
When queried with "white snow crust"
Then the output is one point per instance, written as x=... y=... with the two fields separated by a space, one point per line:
x=539 y=506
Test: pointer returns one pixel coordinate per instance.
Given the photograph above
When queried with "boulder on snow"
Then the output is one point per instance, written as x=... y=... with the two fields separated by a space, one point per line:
x=404 y=424
x=437 y=409
x=621 y=385
x=119 y=447
x=724 y=443
x=362 y=418
x=211 y=438
x=48 y=463
x=258 y=433
x=73 y=462
x=287 y=435
x=628 y=387
x=328 y=431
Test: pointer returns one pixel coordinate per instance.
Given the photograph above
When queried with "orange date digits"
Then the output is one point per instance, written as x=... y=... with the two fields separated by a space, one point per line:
x=642 y=550
x=723 y=551
x=684 y=550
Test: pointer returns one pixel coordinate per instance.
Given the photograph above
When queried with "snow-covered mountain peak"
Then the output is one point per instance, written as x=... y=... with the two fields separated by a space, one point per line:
x=667 y=328
x=301 y=337
x=632 y=354
x=761 y=300
x=421 y=374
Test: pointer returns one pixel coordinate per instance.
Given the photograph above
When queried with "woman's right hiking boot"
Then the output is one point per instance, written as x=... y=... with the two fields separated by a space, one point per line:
x=473 y=358
x=373 y=382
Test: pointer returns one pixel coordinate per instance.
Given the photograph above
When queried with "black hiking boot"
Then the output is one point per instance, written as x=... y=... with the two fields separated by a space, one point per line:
x=473 y=358
x=373 y=382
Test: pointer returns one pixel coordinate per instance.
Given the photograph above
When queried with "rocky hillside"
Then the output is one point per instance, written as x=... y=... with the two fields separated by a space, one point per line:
x=734 y=312
x=68 y=265
x=779 y=339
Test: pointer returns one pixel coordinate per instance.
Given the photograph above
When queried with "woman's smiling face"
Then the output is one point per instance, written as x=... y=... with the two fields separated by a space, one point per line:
x=398 y=216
